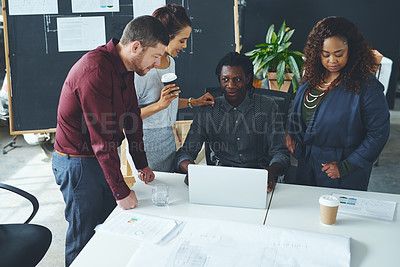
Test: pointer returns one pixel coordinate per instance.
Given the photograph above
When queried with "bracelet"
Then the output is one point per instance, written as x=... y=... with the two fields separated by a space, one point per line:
x=190 y=102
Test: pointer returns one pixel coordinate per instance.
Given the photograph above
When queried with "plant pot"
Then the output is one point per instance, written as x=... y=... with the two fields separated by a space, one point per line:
x=259 y=81
x=273 y=83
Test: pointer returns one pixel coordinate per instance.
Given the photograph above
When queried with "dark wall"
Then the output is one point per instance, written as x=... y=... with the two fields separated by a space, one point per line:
x=212 y=37
x=377 y=20
x=38 y=69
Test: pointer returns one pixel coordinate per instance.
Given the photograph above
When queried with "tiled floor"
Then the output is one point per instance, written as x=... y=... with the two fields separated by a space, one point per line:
x=28 y=167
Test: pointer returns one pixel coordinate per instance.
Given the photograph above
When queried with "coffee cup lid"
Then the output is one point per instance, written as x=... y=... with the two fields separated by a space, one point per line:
x=329 y=201
x=168 y=77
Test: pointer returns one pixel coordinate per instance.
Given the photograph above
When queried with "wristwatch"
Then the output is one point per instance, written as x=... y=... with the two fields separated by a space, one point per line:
x=190 y=102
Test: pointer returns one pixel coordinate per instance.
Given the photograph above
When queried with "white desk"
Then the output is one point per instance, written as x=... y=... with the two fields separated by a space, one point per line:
x=373 y=242
x=105 y=249
x=180 y=206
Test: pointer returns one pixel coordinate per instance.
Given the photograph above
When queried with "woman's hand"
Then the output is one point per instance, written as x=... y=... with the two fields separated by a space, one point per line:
x=168 y=93
x=206 y=99
x=331 y=169
x=290 y=143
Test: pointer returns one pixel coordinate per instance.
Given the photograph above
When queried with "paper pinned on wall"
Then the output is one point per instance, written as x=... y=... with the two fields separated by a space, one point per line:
x=32 y=7
x=80 y=33
x=88 y=6
x=146 y=7
x=373 y=208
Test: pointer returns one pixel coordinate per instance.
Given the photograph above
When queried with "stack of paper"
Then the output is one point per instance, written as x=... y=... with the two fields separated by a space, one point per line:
x=374 y=208
x=146 y=228
x=215 y=243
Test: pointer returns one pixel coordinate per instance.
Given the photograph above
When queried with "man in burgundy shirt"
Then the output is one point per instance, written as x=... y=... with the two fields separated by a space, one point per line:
x=98 y=108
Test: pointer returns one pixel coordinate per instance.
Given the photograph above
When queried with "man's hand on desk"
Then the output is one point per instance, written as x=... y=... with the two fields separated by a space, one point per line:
x=184 y=168
x=273 y=171
x=184 y=165
x=129 y=202
x=146 y=175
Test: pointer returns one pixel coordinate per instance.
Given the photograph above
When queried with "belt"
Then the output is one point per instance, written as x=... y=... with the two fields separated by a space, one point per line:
x=75 y=156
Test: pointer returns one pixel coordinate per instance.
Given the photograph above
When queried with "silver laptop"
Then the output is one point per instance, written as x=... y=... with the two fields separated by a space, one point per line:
x=228 y=186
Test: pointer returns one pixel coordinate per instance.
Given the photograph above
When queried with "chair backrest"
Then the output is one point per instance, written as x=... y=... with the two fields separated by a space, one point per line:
x=282 y=99
x=26 y=195
x=215 y=91
x=23 y=244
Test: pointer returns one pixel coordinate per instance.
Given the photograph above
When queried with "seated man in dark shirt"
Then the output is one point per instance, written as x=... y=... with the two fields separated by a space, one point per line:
x=244 y=129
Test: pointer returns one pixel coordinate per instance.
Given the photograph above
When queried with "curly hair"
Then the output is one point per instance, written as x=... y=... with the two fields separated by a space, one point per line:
x=174 y=18
x=236 y=59
x=361 y=60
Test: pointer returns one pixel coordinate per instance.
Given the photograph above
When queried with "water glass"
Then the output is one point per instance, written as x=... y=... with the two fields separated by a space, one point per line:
x=160 y=195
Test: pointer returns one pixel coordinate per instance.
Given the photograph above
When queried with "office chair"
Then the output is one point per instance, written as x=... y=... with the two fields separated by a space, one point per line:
x=23 y=244
x=282 y=99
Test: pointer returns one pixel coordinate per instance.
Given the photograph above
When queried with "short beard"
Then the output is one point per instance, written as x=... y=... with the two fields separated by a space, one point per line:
x=140 y=72
x=137 y=62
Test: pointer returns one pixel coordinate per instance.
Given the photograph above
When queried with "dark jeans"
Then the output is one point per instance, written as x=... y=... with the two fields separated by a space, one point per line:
x=88 y=199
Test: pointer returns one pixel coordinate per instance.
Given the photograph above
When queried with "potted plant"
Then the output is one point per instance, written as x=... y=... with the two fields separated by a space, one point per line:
x=275 y=56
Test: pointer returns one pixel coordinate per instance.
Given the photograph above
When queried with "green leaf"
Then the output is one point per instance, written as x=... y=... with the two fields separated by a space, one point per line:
x=297 y=53
x=293 y=66
x=257 y=63
x=280 y=73
x=262 y=45
x=281 y=32
x=288 y=35
x=284 y=46
x=266 y=68
x=269 y=33
x=273 y=38
x=295 y=84
x=300 y=62
x=267 y=60
x=252 y=52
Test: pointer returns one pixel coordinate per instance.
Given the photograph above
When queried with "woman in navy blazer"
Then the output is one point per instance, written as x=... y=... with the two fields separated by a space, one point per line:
x=339 y=122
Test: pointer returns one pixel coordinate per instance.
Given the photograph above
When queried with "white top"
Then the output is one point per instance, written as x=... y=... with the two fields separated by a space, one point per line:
x=148 y=90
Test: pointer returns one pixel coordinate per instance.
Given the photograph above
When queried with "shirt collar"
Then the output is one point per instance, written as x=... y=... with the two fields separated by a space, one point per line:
x=241 y=107
x=115 y=58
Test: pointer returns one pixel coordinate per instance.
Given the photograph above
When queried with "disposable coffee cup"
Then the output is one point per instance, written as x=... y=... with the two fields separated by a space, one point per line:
x=168 y=78
x=328 y=209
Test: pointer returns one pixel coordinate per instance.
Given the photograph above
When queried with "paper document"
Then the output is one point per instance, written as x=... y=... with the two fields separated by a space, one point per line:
x=142 y=227
x=374 y=208
x=80 y=33
x=32 y=7
x=79 y=6
x=215 y=243
x=146 y=7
